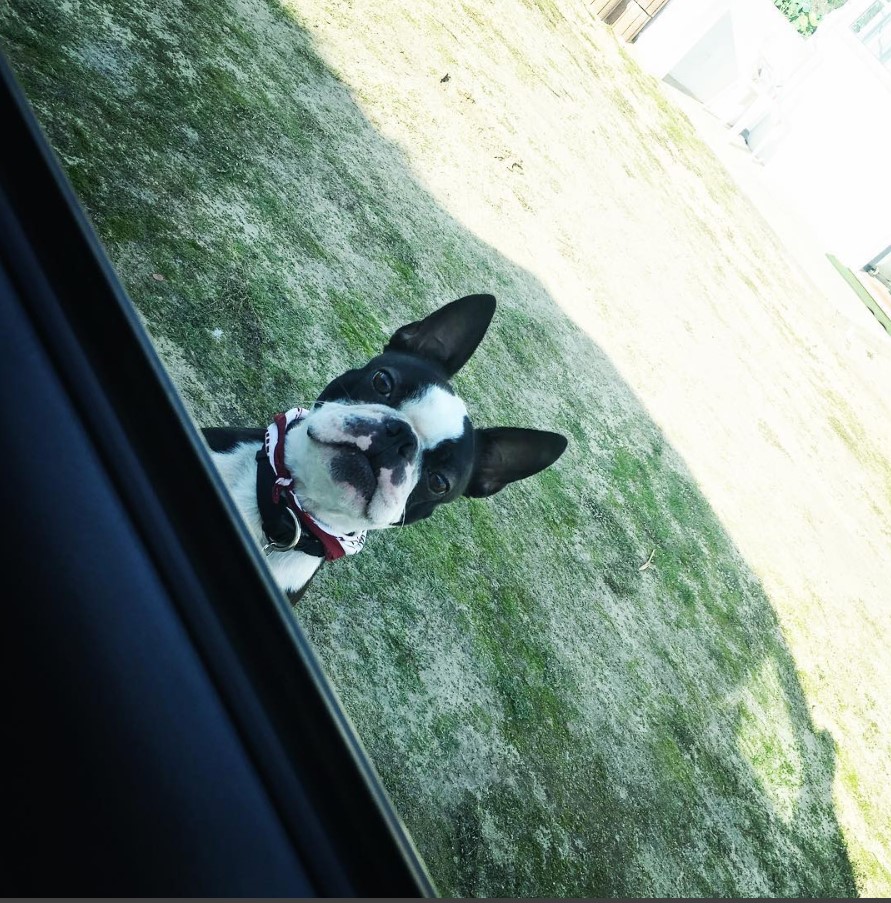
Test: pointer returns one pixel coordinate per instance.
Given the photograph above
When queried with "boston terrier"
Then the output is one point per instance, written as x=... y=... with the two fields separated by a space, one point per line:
x=382 y=446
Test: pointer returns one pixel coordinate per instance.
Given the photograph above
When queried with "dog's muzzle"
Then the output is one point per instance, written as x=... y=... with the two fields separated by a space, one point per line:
x=368 y=449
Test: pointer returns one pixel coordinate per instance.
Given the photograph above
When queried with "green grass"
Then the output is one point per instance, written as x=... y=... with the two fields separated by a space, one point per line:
x=549 y=718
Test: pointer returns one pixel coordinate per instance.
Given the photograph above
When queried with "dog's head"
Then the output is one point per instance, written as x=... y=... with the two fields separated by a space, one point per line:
x=386 y=444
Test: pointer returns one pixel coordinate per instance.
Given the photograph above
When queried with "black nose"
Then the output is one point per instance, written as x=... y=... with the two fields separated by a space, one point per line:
x=404 y=438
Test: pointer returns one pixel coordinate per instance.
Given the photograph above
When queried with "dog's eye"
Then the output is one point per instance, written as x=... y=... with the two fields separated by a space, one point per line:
x=382 y=382
x=438 y=483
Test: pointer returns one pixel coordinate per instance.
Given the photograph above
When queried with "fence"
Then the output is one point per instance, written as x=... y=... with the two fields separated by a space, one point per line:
x=627 y=17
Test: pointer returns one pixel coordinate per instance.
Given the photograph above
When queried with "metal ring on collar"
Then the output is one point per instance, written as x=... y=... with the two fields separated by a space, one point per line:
x=272 y=546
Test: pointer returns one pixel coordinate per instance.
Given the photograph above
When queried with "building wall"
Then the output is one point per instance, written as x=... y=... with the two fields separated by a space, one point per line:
x=674 y=32
x=817 y=111
x=832 y=143
x=710 y=65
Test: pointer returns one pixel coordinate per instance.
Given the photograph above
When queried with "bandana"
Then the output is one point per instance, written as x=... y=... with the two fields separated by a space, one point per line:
x=335 y=545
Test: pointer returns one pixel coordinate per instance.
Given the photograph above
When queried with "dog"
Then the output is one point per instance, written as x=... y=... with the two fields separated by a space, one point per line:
x=383 y=446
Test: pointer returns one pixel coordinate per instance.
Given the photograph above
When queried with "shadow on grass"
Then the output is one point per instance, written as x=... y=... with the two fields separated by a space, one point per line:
x=549 y=718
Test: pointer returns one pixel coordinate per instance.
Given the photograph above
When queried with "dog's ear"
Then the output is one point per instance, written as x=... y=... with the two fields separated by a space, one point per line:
x=505 y=454
x=449 y=336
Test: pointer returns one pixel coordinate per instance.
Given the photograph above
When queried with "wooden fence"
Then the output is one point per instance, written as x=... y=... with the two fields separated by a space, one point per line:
x=627 y=17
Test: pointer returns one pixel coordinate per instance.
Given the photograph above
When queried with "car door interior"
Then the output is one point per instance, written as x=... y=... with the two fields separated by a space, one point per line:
x=167 y=729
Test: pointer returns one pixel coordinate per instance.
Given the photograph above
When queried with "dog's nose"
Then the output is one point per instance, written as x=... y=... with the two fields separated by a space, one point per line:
x=405 y=440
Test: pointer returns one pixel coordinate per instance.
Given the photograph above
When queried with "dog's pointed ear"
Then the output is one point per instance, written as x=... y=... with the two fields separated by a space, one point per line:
x=505 y=454
x=450 y=335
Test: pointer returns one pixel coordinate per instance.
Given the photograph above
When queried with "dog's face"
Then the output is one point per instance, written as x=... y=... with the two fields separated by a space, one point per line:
x=386 y=444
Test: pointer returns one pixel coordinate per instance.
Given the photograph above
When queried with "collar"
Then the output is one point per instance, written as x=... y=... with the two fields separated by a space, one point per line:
x=286 y=524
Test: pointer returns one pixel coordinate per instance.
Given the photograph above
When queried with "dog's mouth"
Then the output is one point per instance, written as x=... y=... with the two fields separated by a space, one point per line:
x=348 y=444
x=325 y=443
x=350 y=466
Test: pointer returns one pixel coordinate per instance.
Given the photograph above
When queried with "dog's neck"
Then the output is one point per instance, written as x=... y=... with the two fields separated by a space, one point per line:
x=286 y=507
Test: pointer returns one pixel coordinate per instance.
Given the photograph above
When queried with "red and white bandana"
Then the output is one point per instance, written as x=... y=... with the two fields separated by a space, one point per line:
x=335 y=545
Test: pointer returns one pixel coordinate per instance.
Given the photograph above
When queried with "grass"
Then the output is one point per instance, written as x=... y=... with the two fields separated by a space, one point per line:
x=548 y=717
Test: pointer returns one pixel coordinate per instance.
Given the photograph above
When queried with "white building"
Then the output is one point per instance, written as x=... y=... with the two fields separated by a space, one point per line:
x=816 y=112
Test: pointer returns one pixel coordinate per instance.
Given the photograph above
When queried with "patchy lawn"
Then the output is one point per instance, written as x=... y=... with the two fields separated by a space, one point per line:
x=282 y=184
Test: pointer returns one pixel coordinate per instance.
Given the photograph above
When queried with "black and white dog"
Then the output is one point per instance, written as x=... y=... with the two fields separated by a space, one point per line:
x=382 y=446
